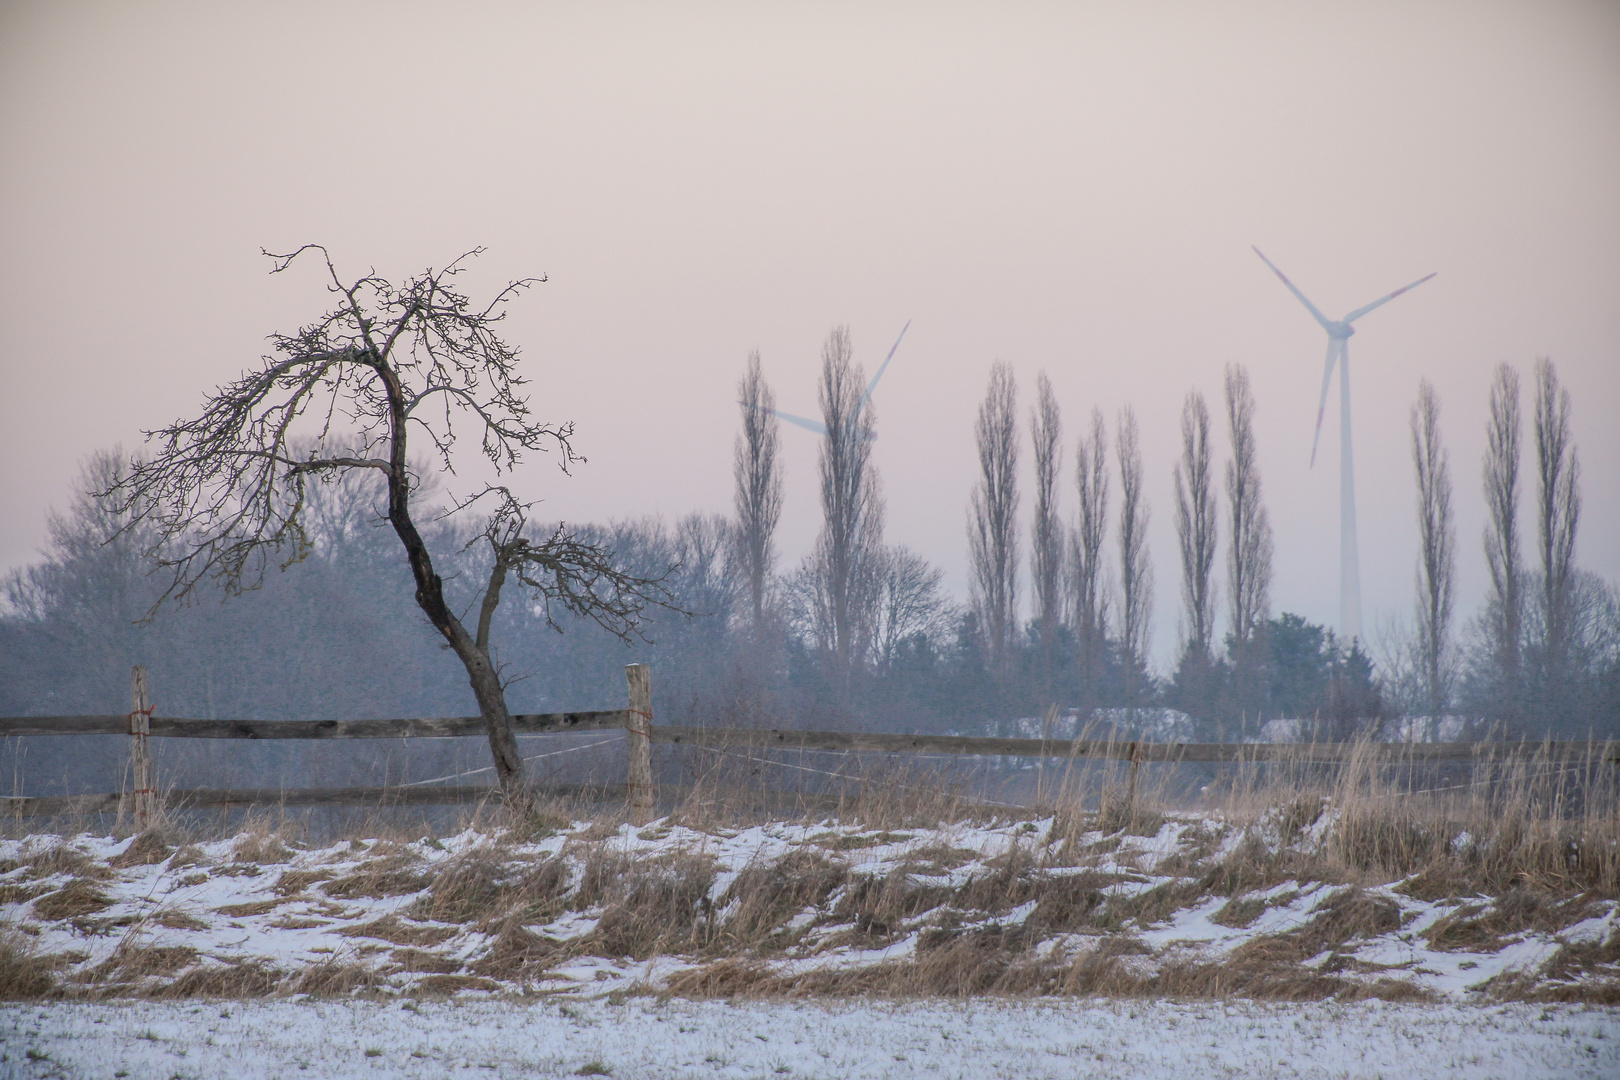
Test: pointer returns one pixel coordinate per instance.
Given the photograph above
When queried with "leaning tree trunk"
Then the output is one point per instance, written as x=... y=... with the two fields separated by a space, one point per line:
x=486 y=684
x=503 y=747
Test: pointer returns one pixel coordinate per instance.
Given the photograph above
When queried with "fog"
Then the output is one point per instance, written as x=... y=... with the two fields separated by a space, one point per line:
x=1070 y=188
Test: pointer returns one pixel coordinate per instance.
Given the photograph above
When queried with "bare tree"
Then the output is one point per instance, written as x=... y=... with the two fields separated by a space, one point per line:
x=93 y=578
x=1135 y=567
x=1090 y=529
x=1046 y=564
x=704 y=547
x=1437 y=547
x=1505 y=608
x=1195 y=524
x=1248 y=567
x=852 y=506
x=993 y=517
x=910 y=603
x=1558 y=511
x=758 y=474
x=224 y=495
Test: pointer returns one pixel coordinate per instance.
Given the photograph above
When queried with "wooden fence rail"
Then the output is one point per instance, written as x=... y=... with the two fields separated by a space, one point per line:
x=636 y=721
x=1130 y=750
x=384 y=798
x=431 y=727
x=858 y=741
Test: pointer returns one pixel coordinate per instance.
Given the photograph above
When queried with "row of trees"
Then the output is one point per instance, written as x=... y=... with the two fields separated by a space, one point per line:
x=1074 y=595
x=1542 y=648
x=1542 y=652
x=855 y=603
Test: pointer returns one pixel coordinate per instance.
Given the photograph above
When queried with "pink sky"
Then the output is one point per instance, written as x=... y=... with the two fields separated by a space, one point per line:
x=1068 y=187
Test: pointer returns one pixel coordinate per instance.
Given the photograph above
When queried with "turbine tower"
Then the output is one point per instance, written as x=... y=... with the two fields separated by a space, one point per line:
x=1338 y=349
x=816 y=425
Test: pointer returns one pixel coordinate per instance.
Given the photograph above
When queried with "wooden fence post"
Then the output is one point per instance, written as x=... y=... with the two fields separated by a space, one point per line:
x=641 y=790
x=1136 y=765
x=140 y=750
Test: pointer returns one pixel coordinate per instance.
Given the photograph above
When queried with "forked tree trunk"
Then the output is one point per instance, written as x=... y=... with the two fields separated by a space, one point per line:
x=481 y=674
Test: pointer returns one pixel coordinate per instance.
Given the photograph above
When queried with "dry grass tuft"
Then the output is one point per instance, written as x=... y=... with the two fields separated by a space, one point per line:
x=335 y=978
x=227 y=981
x=395 y=931
x=21 y=892
x=486 y=887
x=256 y=907
x=741 y=978
x=1583 y=965
x=1479 y=831
x=1238 y=913
x=1486 y=926
x=293 y=882
x=663 y=906
x=188 y=855
x=422 y=961
x=260 y=848
x=1253 y=866
x=63 y=859
x=879 y=906
x=24 y=974
x=396 y=873
x=767 y=894
x=132 y=963
x=935 y=859
x=175 y=919
x=77 y=898
x=446 y=985
x=1074 y=903
x=1348 y=914
x=145 y=850
x=520 y=955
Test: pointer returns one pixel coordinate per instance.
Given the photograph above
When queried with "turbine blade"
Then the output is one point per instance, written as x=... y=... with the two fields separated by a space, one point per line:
x=873 y=385
x=1334 y=345
x=809 y=425
x=1360 y=311
x=1324 y=320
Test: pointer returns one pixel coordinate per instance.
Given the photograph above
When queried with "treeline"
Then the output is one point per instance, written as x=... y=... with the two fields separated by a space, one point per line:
x=861 y=632
x=867 y=626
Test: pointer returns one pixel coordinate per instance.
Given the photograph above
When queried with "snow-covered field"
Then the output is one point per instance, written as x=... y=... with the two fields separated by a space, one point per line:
x=647 y=1038
x=775 y=908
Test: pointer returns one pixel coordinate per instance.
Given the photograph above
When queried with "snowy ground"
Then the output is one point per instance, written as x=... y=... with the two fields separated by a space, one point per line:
x=109 y=921
x=675 y=1039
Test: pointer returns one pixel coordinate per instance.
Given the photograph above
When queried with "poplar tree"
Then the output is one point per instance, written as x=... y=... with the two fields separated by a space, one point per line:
x=993 y=517
x=1046 y=532
x=1135 y=567
x=758 y=474
x=1437 y=561
x=1504 y=612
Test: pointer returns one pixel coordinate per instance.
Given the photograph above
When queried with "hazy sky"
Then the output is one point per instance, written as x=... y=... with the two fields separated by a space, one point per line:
x=1068 y=187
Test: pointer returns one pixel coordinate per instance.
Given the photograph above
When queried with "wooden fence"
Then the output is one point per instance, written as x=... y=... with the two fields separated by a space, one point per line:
x=142 y=723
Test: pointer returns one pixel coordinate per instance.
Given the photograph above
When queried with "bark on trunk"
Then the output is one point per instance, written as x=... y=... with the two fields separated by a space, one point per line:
x=481 y=675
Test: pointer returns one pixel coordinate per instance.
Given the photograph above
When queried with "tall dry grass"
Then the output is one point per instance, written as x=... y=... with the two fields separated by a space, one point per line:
x=1511 y=845
x=1501 y=822
x=1488 y=826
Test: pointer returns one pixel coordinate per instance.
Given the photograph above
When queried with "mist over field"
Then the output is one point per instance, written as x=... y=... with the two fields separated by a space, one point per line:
x=1059 y=198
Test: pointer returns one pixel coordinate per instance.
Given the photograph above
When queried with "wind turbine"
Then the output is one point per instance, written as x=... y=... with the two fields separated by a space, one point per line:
x=816 y=425
x=1338 y=349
